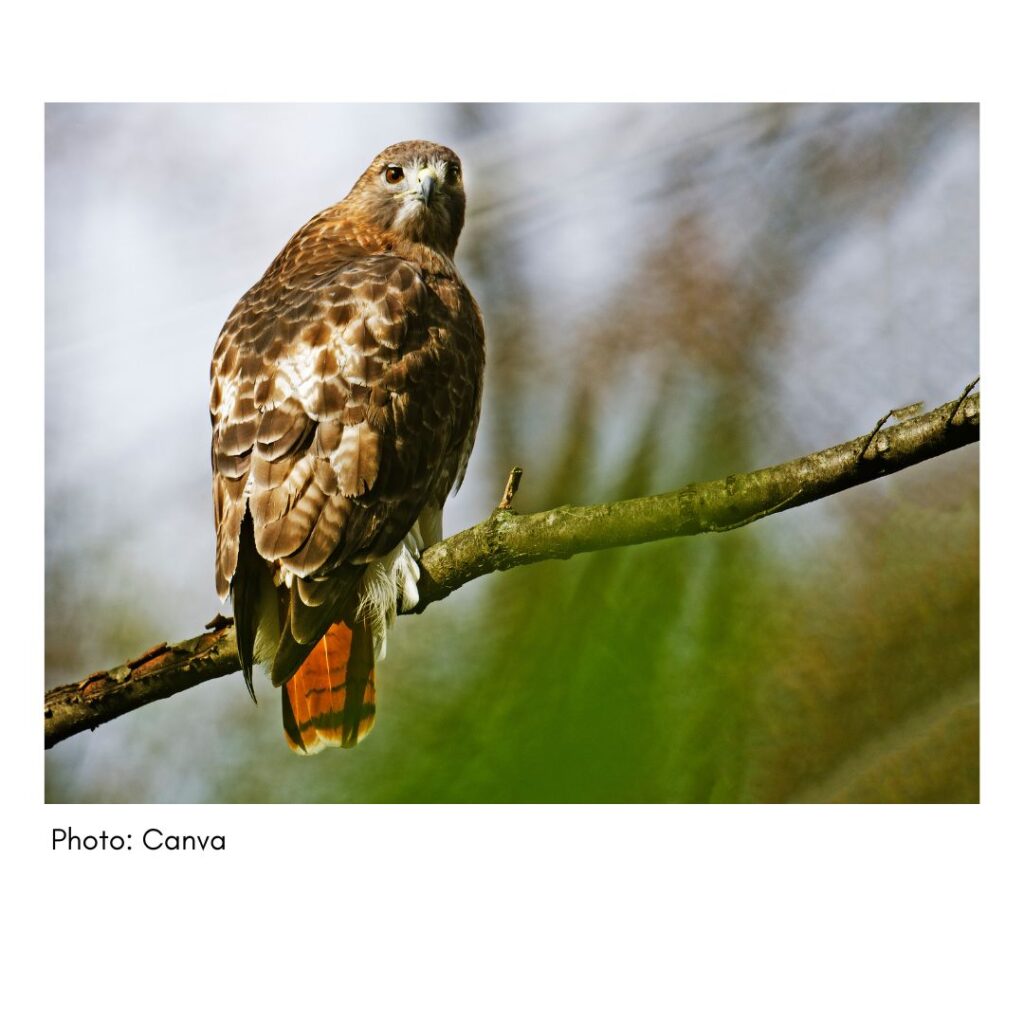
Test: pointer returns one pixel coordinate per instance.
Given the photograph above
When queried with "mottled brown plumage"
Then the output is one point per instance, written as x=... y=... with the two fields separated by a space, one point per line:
x=345 y=398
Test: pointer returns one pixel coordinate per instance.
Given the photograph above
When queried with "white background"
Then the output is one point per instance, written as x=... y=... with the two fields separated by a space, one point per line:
x=512 y=913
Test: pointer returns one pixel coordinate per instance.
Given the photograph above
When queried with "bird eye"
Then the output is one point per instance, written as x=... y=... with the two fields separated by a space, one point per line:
x=393 y=174
x=454 y=172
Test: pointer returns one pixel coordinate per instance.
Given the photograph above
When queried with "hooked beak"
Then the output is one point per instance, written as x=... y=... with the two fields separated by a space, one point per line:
x=428 y=182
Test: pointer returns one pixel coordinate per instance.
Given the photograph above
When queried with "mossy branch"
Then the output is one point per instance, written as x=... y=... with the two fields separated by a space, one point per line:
x=507 y=539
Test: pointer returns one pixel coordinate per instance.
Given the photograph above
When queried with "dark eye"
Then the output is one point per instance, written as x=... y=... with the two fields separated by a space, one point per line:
x=454 y=172
x=393 y=174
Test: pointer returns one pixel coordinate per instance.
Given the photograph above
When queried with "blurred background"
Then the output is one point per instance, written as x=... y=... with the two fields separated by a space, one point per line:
x=671 y=293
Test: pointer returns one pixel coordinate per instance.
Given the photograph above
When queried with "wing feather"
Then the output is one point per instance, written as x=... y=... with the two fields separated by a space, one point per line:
x=336 y=402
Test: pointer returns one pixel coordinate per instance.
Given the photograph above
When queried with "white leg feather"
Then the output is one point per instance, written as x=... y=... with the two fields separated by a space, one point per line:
x=390 y=582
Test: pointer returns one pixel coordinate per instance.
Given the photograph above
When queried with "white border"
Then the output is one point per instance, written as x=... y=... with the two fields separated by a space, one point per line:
x=512 y=913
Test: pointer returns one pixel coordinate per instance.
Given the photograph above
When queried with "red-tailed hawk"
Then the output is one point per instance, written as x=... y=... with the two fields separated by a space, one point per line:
x=345 y=399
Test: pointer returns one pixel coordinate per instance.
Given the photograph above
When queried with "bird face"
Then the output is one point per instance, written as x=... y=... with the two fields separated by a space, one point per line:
x=414 y=190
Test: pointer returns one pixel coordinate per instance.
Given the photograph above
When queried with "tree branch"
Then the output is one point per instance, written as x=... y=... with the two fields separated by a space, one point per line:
x=507 y=539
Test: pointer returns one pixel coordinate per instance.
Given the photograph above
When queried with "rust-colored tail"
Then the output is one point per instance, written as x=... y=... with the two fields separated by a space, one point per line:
x=329 y=702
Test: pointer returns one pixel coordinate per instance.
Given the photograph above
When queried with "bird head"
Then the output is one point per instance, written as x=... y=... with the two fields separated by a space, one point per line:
x=413 y=190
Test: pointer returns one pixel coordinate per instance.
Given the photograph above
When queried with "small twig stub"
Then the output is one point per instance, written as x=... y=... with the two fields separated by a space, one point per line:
x=907 y=411
x=963 y=398
x=510 y=489
x=874 y=433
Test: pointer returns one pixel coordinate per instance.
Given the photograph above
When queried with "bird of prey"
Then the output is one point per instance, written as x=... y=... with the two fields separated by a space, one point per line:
x=345 y=397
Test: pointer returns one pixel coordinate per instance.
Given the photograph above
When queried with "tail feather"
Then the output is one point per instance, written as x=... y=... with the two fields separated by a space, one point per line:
x=330 y=700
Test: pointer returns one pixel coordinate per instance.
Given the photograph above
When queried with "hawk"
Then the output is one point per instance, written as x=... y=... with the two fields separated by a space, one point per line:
x=345 y=397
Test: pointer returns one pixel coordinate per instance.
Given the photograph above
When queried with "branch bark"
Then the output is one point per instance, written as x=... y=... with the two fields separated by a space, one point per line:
x=507 y=539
